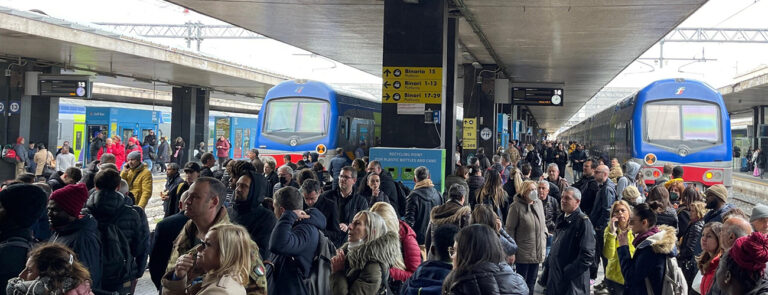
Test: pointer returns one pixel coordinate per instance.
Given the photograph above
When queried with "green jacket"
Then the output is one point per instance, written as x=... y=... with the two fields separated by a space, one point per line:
x=366 y=266
x=610 y=244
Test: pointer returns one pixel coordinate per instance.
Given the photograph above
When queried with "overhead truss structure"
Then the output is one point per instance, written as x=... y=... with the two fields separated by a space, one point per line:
x=190 y=31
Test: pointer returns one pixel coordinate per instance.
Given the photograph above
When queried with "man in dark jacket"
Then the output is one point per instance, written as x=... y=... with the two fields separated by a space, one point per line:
x=420 y=202
x=716 y=198
x=61 y=178
x=172 y=181
x=387 y=186
x=284 y=178
x=270 y=173
x=551 y=209
x=166 y=232
x=110 y=207
x=428 y=277
x=294 y=242
x=248 y=211
x=20 y=207
x=601 y=213
x=339 y=161
x=163 y=154
x=207 y=161
x=578 y=157
x=311 y=190
x=97 y=143
x=79 y=233
x=452 y=212
x=347 y=202
x=588 y=186
x=573 y=249
x=21 y=155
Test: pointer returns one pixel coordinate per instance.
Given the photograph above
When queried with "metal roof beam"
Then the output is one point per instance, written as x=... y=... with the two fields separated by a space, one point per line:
x=717 y=35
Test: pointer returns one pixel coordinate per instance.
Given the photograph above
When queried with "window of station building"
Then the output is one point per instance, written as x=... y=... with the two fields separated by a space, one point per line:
x=297 y=115
x=670 y=122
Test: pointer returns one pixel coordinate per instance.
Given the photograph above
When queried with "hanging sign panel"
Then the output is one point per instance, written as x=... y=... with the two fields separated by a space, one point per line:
x=412 y=85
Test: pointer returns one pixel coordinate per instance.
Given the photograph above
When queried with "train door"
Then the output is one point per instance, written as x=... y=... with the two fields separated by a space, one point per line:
x=127 y=133
x=78 y=140
x=92 y=130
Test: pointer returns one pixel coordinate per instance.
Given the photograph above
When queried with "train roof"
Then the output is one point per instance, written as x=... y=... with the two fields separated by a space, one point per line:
x=316 y=88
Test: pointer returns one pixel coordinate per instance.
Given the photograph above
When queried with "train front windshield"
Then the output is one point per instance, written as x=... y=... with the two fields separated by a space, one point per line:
x=670 y=123
x=296 y=115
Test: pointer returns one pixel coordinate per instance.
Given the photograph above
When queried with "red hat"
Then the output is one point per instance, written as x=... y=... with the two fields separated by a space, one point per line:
x=750 y=252
x=71 y=198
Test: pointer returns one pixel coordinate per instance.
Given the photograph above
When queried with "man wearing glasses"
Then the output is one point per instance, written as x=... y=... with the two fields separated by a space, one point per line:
x=601 y=212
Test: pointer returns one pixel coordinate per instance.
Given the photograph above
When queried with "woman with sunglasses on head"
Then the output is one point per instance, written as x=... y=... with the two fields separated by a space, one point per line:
x=225 y=259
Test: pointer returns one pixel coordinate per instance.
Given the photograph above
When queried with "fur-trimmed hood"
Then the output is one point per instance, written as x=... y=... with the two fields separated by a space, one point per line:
x=662 y=242
x=450 y=213
x=384 y=250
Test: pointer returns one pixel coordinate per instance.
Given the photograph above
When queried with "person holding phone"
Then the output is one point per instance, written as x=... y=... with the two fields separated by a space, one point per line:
x=621 y=212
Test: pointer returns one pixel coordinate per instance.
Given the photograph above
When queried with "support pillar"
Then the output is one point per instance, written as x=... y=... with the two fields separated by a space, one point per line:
x=189 y=117
x=448 y=119
x=478 y=103
x=413 y=38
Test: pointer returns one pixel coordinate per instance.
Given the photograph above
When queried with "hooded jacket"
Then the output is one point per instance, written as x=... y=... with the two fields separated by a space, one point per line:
x=259 y=221
x=649 y=261
x=140 y=183
x=119 y=151
x=366 y=266
x=419 y=204
x=410 y=251
x=83 y=237
x=572 y=253
x=629 y=177
x=428 y=278
x=601 y=209
x=55 y=181
x=527 y=226
x=449 y=213
x=112 y=207
x=294 y=244
x=486 y=278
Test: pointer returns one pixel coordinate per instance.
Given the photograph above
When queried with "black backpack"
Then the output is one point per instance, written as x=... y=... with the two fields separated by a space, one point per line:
x=318 y=282
x=117 y=260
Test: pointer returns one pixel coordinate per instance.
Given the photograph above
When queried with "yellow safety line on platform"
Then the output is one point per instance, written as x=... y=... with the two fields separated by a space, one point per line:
x=750 y=180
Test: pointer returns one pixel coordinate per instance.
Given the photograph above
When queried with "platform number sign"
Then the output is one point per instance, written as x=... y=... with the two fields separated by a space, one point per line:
x=14 y=107
x=486 y=133
x=2 y=107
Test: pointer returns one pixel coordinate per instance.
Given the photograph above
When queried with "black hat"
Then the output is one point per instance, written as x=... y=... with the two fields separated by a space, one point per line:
x=192 y=166
x=23 y=203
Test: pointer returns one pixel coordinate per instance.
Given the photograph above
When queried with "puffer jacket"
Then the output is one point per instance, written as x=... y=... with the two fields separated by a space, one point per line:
x=628 y=178
x=365 y=271
x=648 y=261
x=572 y=252
x=449 y=213
x=610 y=244
x=418 y=206
x=140 y=181
x=83 y=237
x=668 y=217
x=293 y=243
x=527 y=226
x=485 y=278
x=475 y=183
x=690 y=247
x=251 y=214
x=411 y=254
x=110 y=206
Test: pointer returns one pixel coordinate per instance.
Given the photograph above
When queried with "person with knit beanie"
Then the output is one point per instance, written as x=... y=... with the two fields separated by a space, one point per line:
x=21 y=205
x=742 y=268
x=717 y=198
x=759 y=218
x=76 y=230
x=139 y=179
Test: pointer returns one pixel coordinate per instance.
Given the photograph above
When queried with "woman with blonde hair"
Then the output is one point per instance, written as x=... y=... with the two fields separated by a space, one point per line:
x=526 y=224
x=690 y=245
x=621 y=212
x=360 y=266
x=409 y=257
x=51 y=269
x=224 y=258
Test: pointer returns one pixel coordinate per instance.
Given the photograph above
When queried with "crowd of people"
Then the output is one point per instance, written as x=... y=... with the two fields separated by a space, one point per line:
x=506 y=222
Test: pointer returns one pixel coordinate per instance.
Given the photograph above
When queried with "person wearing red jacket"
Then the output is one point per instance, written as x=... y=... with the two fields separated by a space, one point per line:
x=409 y=247
x=222 y=150
x=119 y=151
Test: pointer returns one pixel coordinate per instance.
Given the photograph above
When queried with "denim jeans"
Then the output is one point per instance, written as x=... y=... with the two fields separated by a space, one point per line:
x=529 y=272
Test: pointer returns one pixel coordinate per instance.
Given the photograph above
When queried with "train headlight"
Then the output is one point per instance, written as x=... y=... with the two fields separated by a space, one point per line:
x=708 y=175
x=656 y=173
x=712 y=176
